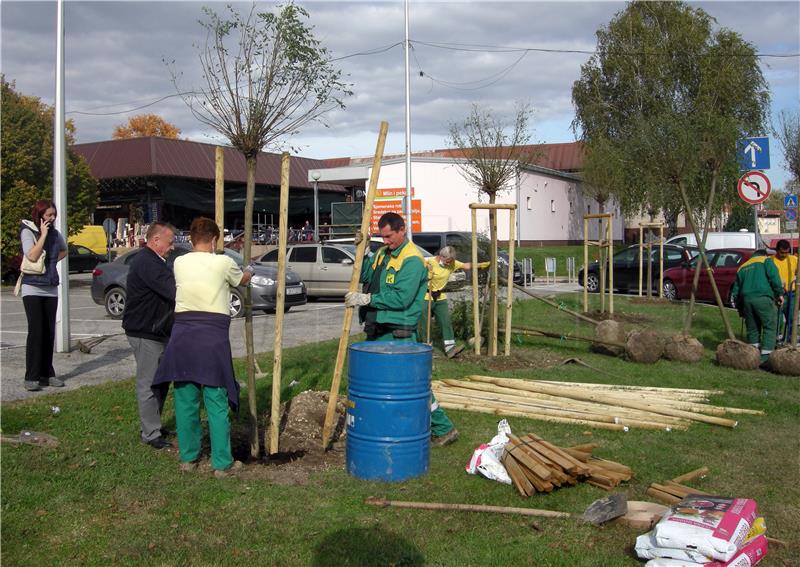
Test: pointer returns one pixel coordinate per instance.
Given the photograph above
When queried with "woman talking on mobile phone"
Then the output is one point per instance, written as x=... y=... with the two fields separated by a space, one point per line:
x=40 y=294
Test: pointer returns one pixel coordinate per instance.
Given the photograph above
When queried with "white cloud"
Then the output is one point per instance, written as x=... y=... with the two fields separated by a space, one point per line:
x=114 y=60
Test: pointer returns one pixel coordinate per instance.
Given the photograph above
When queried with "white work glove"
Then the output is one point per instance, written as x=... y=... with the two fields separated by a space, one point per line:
x=355 y=299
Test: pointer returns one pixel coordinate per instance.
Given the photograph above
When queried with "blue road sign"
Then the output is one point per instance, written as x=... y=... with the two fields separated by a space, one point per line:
x=753 y=153
x=790 y=214
x=790 y=202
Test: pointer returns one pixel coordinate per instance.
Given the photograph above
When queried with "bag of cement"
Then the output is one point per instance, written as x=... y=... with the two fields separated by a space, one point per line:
x=752 y=553
x=712 y=526
x=485 y=459
x=647 y=548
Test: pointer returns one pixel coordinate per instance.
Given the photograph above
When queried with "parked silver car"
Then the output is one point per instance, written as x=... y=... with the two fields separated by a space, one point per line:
x=109 y=281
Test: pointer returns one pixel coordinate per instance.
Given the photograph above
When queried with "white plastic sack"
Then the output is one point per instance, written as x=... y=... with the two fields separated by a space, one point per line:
x=713 y=526
x=751 y=554
x=647 y=548
x=485 y=460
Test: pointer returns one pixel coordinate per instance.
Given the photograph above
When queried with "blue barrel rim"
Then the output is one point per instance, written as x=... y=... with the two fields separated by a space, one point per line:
x=385 y=348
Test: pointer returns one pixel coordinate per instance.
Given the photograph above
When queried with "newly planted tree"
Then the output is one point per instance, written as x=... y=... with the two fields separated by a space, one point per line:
x=265 y=75
x=664 y=91
x=489 y=151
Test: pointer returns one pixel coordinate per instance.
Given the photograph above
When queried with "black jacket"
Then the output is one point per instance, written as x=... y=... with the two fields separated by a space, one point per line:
x=150 y=302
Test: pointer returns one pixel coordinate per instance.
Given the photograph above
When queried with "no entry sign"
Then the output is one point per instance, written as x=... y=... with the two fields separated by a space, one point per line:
x=754 y=187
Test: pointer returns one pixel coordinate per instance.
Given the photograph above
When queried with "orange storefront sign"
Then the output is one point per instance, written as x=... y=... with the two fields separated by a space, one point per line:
x=393 y=192
x=379 y=208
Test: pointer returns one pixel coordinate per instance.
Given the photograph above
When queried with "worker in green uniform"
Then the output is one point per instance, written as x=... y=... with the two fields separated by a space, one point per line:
x=758 y=292
x=396 y=280
x=440 y=267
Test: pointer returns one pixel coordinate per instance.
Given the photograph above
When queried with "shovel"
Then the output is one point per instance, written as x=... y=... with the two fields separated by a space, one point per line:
x=597 y=513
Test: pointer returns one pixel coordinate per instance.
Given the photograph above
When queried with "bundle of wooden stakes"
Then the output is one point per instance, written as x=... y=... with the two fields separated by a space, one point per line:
x=604 y=406
x=536 y=465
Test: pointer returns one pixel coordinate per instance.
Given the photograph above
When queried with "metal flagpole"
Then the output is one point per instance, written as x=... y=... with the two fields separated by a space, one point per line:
x=407 y=198
x=60 y=187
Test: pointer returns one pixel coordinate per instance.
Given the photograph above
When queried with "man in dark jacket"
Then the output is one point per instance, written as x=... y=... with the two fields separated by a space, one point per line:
x=148 y=322
x=758 y=292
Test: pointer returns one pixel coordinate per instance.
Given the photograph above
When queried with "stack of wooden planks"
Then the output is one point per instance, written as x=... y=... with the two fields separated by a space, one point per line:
x=672 y=491
x=604 y=406
x=535 y=465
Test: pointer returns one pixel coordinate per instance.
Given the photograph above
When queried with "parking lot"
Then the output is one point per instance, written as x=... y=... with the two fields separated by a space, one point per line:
x=112 y=359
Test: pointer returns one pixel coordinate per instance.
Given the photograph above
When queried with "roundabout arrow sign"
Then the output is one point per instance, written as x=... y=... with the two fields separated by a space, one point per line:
x=754 y=187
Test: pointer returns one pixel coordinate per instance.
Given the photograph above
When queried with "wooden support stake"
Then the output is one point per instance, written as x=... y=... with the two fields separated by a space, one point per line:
x=510 y=281
x=219 y=195
x=692 y=475
x=476 y=322
x=663 y=497
x=280 y=302
x=588 y=396
x=354 y=280
x=467 y=508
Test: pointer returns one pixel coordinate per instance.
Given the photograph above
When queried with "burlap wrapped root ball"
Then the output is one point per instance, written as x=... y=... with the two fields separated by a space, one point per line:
x=785 y=361
x=612 y=332
x=739 y=355
x=644 y=346
x=682 y=348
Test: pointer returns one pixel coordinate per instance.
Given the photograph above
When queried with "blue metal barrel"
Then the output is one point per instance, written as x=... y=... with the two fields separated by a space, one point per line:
x=388 y=415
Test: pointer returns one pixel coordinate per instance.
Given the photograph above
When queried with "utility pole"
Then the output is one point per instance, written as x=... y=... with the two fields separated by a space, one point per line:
x=407 y=199
x=60 y=187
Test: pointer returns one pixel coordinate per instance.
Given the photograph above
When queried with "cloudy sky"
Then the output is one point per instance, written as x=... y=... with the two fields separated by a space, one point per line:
x=114 y=69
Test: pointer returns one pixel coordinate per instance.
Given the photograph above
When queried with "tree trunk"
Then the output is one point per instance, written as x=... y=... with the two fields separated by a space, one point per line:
x=248 y=308
x=492 y=346
x=687 y=324
x=690 y=220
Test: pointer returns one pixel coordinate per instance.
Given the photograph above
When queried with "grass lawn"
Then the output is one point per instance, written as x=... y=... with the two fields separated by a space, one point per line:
x=560 y=253
x=103 y=498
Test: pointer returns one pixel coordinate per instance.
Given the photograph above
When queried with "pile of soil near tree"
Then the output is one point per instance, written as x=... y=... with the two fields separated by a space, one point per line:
x=299 y=442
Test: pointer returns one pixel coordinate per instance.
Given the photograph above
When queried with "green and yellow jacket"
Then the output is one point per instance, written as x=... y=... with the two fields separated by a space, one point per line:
x=758 y=277
x=399 y=293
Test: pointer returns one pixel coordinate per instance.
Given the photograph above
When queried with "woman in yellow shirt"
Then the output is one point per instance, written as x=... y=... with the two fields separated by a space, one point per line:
x=198 y=356
x=440 y=267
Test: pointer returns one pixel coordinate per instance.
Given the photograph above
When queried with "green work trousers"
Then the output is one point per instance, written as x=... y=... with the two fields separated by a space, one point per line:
x=190 y=432
x=760 y=316
x=440 y=310
x=440 y=423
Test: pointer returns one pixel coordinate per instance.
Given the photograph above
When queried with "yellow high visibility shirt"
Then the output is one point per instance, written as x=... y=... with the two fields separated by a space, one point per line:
x=439 y=275
x=787 y=268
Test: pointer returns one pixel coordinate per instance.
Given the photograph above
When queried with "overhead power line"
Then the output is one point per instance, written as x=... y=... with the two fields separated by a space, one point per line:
x=466 y=85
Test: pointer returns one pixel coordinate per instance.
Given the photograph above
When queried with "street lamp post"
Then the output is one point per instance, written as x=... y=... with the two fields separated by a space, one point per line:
x=315 y=175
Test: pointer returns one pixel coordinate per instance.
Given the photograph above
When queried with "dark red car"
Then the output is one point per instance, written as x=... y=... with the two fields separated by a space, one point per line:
x=724 y=262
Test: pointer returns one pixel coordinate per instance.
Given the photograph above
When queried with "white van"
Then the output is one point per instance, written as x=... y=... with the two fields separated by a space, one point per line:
x=716 y=240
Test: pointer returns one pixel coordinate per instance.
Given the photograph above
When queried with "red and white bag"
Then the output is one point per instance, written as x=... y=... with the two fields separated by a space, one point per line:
x=712 y=526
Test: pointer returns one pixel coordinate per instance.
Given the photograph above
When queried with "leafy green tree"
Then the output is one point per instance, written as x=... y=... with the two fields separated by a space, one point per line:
x=26 y=168
x=788 y=133
x=265 y=76
x=664 y=89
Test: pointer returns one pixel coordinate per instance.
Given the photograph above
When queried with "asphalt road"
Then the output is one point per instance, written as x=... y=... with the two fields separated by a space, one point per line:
x=112 y=359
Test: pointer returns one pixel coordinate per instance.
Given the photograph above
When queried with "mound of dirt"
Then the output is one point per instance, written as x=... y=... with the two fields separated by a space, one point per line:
x=785 y=361
x=739 y=355
x=644 y=346
x=302 y=419
x=683 y=349
x=609 y=331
